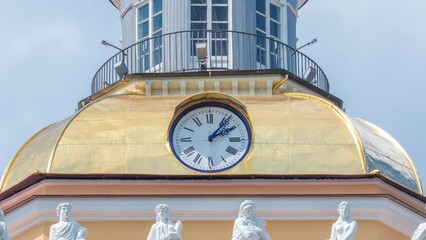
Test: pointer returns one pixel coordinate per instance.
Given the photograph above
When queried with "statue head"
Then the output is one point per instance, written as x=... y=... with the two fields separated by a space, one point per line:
x=62 y=211
x=162 y=213
x=344 y=209
x=247 y=209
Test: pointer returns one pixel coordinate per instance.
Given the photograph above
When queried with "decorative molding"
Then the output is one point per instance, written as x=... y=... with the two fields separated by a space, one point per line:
x=294 y=11
x=234 y=87
x=126 y=10
x=183 y=87
x=381 y=209
x=165 y=88
x=252 y=87
x=218 y=187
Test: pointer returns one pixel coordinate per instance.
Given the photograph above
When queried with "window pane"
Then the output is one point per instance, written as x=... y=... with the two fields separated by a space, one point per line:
x=201 y=34
x=275 y=12
x=158 y=6
x=275 y=59
x=146 y=63
x=198 y=25
x=198 y=13
x=143 y=30
x=199 y=1
x=274 y=47
x=144 y=48
x=261 y=22
x=275 y=29
x=144 y=12
x=158 y=57
x=261 y=41
x=219 y=48
x=219 y=35
x=220 y=1
x=219 y=13
x=198 y=34
x=158 y=39
x=158 y=22
x=260 y=33
x=260 y=6
x=219 y=26
x=261 y=56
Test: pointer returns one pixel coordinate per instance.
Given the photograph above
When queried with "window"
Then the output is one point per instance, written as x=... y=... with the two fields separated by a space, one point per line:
x=150 y=25
x=158 y=6
x=143 y=22
x=210 y=14
x=157 y=31
x=219 y=21
x=268 y=24
x=274 y=13
x=260 y=6
x=261 y=31
x=143 y=34
x=275 y=32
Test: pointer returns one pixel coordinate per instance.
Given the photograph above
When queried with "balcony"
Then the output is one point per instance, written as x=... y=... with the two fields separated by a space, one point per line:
x=224 y=50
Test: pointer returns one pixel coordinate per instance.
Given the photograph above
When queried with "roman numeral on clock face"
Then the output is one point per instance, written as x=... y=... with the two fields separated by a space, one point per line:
x=185 y=139
x=209 y=118
x=235 y=139
x=189 y=151
x=197 y=121
x=210 y=162
x=188 y=129
x=198 y=158
x=231 y=150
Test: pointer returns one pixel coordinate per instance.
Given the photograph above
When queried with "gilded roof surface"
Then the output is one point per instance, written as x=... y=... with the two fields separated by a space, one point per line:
x=293 y=134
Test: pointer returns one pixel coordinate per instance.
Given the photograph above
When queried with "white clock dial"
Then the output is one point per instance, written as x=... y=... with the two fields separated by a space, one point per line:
x=210 y=137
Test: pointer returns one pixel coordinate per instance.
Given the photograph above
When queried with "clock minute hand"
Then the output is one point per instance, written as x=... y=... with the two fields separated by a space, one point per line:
x=224 y=122
x=217 y=132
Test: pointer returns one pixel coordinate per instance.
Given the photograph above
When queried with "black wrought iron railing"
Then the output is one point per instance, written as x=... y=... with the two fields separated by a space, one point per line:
x=225 y=50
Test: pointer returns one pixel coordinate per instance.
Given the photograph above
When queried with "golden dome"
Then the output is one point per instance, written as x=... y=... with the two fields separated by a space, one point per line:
x=293 y=134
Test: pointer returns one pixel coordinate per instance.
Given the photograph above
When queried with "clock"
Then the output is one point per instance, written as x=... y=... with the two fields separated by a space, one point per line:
x=210 y=137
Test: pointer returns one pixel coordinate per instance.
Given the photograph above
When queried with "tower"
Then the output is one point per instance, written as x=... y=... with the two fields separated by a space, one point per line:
x=297 y=154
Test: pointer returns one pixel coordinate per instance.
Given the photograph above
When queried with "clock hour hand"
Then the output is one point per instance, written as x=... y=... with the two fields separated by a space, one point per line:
x=217 y=132
x=227 y=130
x=221 y=132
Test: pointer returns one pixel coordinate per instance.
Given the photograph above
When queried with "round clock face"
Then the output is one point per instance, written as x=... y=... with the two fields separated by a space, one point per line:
x=210 y=137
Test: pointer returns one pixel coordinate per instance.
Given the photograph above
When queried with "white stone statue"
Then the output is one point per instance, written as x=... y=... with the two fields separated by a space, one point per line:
x=420 y=233
x=248 y=226
x=66 y=229
x=3 y=226
x=344 y=228
x=164 y=228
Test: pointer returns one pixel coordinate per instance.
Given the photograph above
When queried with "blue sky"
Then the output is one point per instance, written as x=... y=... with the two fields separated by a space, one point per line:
x=373 y=53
